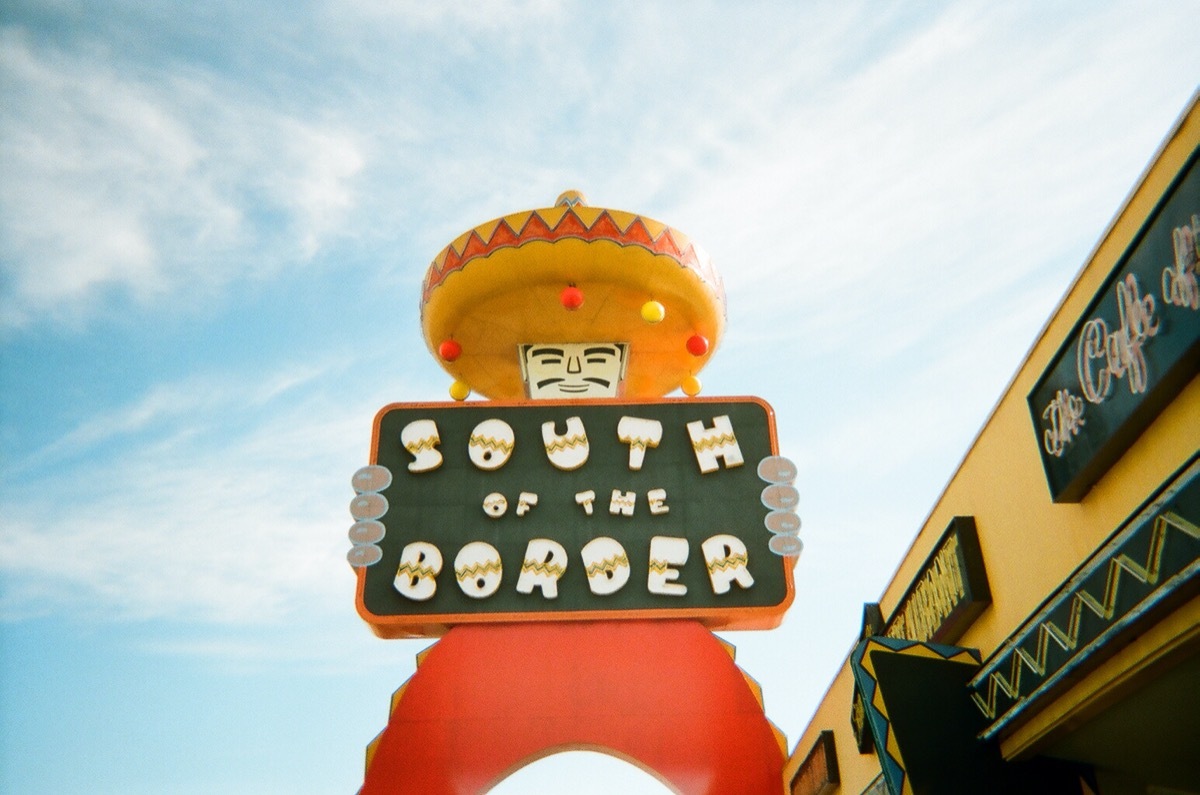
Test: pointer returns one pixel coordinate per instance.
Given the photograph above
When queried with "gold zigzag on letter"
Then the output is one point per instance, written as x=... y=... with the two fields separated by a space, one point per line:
x=415 y=570
x=1105 y=608
x=731 y=562
x=417 y=445
x=477 y=570
x=566 y=443
x=538 y=567
x=622 y=501
x=659 y=566
x=489 y=443
x=608 y=565
x=709 y=442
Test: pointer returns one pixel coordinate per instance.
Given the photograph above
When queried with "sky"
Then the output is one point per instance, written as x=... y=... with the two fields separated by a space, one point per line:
x=214 y=223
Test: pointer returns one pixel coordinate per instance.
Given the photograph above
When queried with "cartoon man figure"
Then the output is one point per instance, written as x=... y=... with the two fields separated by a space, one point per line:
x=508 y=309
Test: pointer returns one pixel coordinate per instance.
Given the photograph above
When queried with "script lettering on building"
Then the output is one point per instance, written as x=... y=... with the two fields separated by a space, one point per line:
x=1137 y=344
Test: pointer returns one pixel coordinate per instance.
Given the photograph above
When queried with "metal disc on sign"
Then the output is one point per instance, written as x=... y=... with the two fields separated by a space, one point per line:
x=361 y=555
x=371 y=478
x=777 y=469
x=367 y=531
x=368 y=506
x=780 y=497
x=788 y=546
x=782 y=522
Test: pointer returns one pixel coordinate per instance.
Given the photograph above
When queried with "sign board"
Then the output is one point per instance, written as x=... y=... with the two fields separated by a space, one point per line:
x=949 y=591
x=1135 y=347
x=569 y=510
x=1148 y=565
x=818 y=773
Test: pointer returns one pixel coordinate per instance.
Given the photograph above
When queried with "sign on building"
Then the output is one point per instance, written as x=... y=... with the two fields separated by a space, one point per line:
x=1134 y=349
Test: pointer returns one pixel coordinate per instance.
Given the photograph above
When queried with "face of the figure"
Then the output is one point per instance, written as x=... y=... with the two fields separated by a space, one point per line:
x=573 y=369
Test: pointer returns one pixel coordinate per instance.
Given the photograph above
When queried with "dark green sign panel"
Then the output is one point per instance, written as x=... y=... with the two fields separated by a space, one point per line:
x=568 y=510
x=1133 y=350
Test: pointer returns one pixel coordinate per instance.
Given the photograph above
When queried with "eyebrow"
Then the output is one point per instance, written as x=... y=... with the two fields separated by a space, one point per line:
x=606 y=349
x=545 y=351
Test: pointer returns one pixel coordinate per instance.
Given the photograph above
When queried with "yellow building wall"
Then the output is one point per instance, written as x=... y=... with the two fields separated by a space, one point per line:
x=1029 y=544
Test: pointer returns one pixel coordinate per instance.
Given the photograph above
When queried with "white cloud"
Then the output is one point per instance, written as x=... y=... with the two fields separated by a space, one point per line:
x=229 y=508
x=320 y=194
x=169 y=405
x=152 y=184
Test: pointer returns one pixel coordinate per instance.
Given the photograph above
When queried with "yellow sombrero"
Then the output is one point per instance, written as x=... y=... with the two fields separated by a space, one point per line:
x=514 y=280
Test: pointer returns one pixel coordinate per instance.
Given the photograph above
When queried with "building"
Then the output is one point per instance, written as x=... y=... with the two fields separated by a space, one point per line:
x=1042 y=633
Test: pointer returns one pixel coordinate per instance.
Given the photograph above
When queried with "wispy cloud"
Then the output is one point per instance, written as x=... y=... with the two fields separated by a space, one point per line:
x=227 y=508
x=179 y=409
x=958 y=152
x=151 y=184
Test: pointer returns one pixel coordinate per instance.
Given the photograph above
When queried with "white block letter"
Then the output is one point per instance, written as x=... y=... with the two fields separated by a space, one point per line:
x=420 y=564
x=622 y=502
x=495 y=505
x=569 y=451
x=478 y=570
x=586 y=498
x=491 y=444
x=658 y=501
x=709 y=444
x=727 y=560
x=545 y=561
x=638 y=434
x=665 y=553
x=525 y=501
x=606 y=564
x=420 y=437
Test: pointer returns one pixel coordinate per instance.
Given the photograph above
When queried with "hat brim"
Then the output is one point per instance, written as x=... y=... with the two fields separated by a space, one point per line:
x=499 y=286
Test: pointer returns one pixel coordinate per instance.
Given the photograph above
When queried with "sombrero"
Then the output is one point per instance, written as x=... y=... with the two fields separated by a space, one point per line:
x=572 y=273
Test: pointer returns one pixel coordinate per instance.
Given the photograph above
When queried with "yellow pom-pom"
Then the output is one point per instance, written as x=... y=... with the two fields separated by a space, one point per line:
x=691 y=386
x=653 y=312
x=459 y=390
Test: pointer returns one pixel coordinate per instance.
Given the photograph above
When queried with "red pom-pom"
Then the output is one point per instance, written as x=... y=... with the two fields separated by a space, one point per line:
x=697 y=345
x=449 y=350
x=572 y=297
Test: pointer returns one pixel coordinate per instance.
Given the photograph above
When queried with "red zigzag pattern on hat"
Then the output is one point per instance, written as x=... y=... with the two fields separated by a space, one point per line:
x=569 y=226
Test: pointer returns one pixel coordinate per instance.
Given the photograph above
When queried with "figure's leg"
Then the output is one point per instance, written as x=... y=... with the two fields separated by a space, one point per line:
x=666 y=695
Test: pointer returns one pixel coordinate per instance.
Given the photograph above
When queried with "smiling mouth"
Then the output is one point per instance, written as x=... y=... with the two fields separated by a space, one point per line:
x=574 y=387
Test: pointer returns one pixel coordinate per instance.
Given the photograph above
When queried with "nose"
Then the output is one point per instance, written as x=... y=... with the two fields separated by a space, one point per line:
x=573 y=365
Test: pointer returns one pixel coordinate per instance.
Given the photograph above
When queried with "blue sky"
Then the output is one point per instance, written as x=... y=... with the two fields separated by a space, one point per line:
x=214 y=221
